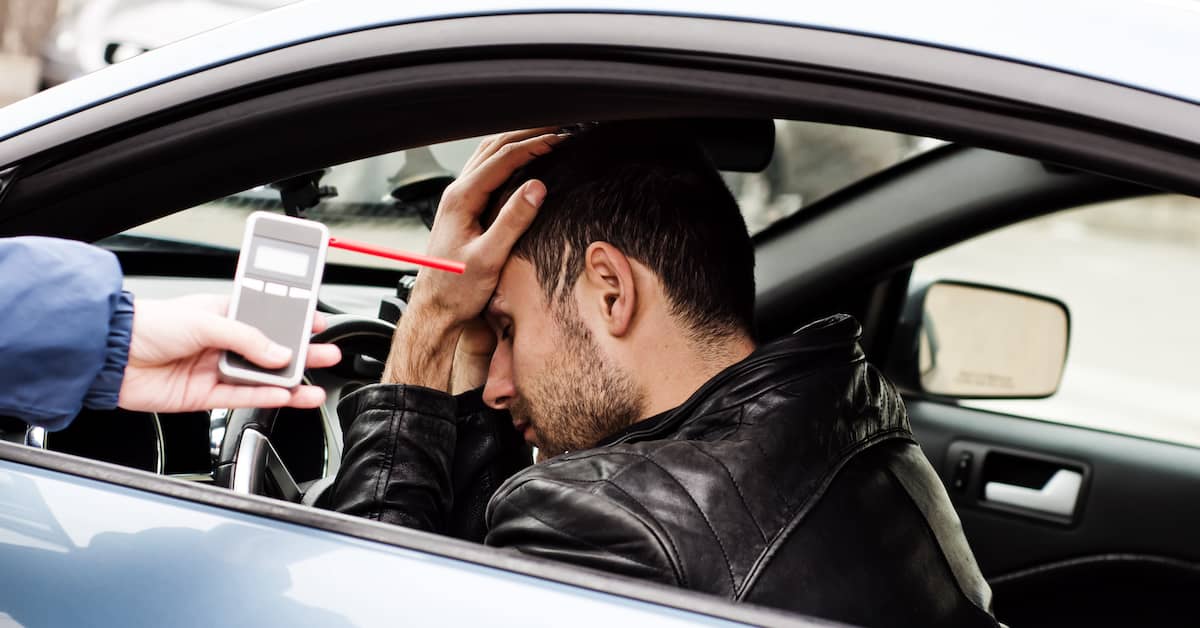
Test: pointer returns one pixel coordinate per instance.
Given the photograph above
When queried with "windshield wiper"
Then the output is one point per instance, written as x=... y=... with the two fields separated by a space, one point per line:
x=132 y=242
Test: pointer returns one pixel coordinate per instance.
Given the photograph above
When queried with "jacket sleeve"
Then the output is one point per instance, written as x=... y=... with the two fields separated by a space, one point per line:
x=64 y=329
x=423 y=459
x=397 y=456
x=571 y=511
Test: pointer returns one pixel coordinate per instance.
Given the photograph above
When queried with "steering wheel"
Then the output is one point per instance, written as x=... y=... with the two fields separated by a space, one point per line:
x=247 y=461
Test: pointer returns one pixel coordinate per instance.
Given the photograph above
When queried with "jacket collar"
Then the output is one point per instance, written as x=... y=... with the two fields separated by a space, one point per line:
x=826 y=342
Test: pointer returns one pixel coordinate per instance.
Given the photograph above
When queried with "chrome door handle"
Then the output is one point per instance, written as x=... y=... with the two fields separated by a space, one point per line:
x=1057 y=497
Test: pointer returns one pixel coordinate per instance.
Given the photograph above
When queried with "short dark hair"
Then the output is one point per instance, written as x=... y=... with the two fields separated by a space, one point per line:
x=649 y=190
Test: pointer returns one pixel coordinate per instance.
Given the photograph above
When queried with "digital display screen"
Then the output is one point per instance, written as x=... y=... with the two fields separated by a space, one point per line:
x=282 y=261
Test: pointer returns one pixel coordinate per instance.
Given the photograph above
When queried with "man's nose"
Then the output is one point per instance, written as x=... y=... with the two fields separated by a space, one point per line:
x=499 y=391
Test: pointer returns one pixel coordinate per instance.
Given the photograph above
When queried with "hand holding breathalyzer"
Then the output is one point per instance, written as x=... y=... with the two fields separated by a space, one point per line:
x=174 y=349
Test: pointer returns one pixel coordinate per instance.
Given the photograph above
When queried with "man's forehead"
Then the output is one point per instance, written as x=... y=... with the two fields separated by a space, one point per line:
x=517 y=280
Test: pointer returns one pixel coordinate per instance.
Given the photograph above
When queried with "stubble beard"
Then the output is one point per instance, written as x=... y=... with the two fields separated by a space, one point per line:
x=580 y=397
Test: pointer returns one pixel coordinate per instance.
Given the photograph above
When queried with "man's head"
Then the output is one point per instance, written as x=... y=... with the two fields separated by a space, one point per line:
x=638 y=254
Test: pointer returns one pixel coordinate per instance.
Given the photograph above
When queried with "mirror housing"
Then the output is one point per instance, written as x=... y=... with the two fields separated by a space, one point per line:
x=963 y=340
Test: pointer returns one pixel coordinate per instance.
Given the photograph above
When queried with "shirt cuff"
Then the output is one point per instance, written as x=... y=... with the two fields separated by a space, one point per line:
x=106 y=388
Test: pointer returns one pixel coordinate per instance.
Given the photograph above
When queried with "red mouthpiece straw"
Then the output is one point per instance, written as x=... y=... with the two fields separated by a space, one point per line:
x=403 y=256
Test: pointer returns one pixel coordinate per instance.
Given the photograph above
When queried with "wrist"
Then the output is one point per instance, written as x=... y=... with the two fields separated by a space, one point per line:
x=105 y=391
x=422 y=348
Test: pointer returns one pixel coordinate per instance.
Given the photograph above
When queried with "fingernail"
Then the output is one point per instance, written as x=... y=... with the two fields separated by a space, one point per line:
x=279 y=353
x=534 y=194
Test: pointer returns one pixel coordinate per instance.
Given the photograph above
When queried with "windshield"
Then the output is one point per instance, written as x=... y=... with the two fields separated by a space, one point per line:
x=379 y=199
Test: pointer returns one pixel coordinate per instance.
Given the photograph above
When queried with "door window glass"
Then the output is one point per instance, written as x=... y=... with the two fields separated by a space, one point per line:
x=1129 y=271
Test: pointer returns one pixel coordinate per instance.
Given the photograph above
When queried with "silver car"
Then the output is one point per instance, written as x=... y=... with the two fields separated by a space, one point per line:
x=904 y=162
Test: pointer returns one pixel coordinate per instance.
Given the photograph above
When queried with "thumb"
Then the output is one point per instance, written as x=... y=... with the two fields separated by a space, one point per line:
x=218 y=332
x=514 y=218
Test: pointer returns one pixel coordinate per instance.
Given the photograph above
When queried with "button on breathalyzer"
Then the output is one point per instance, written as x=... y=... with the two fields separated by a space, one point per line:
x=275 y=289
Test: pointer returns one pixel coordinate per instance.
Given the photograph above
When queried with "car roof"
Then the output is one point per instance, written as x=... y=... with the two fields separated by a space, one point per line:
x=1136 y=43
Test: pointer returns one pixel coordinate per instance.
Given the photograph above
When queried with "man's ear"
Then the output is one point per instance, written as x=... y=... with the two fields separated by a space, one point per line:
x=609 y=286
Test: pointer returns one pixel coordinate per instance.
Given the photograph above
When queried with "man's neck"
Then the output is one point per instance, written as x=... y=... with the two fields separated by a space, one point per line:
x=675 y=368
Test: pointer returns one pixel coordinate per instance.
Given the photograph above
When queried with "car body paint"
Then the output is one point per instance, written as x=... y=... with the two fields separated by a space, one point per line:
x=1074 y=36
x=119 y=556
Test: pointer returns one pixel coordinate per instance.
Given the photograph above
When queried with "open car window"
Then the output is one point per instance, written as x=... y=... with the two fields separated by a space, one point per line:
x=389 y=198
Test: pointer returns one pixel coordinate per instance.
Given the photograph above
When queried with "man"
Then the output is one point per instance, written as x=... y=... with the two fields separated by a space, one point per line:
x=673 y=449
x=71 y=337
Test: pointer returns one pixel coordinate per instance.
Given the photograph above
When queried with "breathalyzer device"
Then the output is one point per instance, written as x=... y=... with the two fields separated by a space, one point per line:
x=275 y=289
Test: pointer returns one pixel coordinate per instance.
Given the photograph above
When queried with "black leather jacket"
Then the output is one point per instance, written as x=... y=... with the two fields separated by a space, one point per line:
x=790 y=480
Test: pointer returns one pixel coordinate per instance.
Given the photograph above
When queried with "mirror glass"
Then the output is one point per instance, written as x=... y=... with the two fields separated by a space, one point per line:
x=982 y=342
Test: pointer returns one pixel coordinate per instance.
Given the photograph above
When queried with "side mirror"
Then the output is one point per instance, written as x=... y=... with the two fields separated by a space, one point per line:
x=971 y=341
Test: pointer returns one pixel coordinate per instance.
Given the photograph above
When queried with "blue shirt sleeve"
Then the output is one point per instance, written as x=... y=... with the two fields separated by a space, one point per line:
x=65 y=328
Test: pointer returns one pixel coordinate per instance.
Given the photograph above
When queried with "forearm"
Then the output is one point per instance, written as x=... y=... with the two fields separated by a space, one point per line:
x=65 y=332
x=422 y=351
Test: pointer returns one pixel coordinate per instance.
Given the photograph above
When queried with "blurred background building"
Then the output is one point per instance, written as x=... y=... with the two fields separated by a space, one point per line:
x=24 y=25
x=46 y=42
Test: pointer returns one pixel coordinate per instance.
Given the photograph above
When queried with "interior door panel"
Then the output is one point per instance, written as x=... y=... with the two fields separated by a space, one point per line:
x=1124 y=551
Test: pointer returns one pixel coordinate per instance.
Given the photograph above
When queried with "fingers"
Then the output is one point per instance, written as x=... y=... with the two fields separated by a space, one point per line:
x=235 y=396
x=322 y=356
x=307 y=397
x=474 y=187
x=489 y=145
x=514 y=218
x=319 y=323
x=256 y=347
x=222 y=333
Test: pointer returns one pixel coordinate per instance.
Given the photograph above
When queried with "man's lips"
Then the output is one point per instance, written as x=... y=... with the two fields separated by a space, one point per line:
x=526 y=429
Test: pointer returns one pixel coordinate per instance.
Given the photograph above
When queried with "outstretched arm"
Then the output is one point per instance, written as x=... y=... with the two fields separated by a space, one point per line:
x=71 y=338
x=173 y=354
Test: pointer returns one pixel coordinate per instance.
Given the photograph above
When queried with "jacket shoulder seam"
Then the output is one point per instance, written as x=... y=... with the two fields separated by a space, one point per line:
x=707 y=522
x=671 y=556
x=736 y=487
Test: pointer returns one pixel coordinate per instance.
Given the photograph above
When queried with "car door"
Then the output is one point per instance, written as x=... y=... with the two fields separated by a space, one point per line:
x=1124 y=553
x=85 y=543
x=1122 y=548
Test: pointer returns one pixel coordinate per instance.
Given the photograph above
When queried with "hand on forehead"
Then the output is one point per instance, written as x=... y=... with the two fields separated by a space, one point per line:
x=459 y=230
